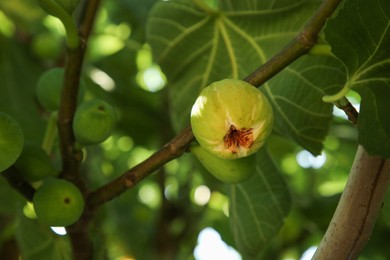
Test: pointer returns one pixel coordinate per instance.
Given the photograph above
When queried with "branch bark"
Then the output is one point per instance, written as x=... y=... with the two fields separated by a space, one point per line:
x=358 y=208
x=71 y=156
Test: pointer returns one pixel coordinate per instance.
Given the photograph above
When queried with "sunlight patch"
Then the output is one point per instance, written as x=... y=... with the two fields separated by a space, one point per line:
x=211 y=246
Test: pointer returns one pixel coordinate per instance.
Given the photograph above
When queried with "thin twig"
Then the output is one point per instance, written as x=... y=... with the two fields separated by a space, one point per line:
x=349 y=110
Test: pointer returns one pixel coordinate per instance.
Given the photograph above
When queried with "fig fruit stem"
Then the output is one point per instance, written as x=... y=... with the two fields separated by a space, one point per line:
x=50 y=133
x=72 y=38
x=321 y=49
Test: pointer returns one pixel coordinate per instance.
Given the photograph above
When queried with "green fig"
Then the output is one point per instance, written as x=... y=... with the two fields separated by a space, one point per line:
x=49 y=87
x=228 y=171
x=34 y=164
x=58 y=202
x=11 y=141
x=231 y=119
x=93 y=122
x=47 y=45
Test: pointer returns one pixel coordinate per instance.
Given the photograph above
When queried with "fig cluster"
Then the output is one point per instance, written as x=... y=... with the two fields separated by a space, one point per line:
x=57 y=202
x=94 y=119
x=231 y=120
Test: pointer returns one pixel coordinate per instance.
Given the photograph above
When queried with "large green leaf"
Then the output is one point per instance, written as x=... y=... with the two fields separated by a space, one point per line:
x=38 y=242
x=195 y=47
x=296 y=95
x=10 y=200
x=18 y=77
x=360 y=38
x=258 y=207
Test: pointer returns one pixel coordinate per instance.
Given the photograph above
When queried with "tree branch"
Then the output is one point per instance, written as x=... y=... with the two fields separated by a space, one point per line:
x=71 y=157
x=173 y=149
x=358 y=208
x=349 y=110
x=298 y=47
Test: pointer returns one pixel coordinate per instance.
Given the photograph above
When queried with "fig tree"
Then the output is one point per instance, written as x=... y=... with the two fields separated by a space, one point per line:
x=231 y=119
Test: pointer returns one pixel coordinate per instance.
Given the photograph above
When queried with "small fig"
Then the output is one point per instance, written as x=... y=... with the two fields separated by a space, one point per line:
x=93 y=122
x=231 y=119
x=47 y=46
x=49 y=87
x=58 y=202
x=34 y=164
x=228 y=171
x=11 y=141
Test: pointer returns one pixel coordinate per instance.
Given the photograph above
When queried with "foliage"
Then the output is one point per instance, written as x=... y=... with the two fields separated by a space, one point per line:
x=150 y=60
x=365 y=56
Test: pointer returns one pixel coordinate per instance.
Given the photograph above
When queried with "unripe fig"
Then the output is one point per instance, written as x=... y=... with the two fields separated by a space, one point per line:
x=228 y=171
x=11 y=141
x=47 y=45
x=93 y=122
x=49 y=87
x=34 y=164
x=58 y=203
x=231 y=119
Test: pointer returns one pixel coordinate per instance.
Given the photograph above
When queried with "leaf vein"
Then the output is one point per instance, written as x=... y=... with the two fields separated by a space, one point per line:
x=307 y=111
